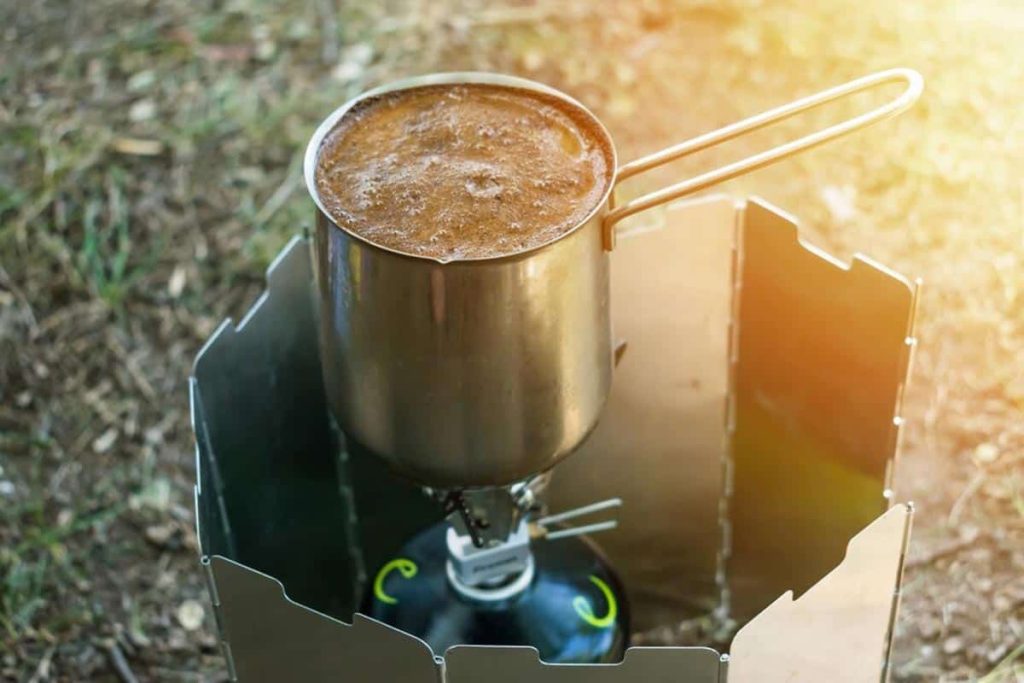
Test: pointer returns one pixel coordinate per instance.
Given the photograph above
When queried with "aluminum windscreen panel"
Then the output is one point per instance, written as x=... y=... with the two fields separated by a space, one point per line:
x=519 y=664
x=660 y=442
x=822 y=354
x=269 y=495
x=839 y=629
x=272 y=638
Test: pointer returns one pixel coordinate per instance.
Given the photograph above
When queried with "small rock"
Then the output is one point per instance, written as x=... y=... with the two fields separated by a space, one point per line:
x=360 y=52
x=176 y=284
x=154 y=435
x=160 y=534
x=7 y=488
x=265 y=45
x=953 y=645
x=141 y=80
x=155 y=495
x=166 y=580
x=105 y=441
x=190 y=615
x=986 y=453
x=142 y=110
x=346 y=72
x=265 y=50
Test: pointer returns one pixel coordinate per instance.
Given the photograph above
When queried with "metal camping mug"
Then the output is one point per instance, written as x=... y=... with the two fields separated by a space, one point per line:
x=476 y=373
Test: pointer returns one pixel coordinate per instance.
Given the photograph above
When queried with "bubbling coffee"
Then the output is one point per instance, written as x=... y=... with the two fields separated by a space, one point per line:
x=458 y=172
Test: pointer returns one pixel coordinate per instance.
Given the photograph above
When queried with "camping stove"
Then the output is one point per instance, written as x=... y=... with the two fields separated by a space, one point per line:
x=749 y=438
x=469 y=582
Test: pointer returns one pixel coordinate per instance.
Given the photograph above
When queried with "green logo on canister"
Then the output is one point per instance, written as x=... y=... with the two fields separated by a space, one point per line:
x=407 y=568
x=586 y=611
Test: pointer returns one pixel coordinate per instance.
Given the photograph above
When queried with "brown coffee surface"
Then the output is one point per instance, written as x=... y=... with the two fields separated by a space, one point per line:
x=463 y=171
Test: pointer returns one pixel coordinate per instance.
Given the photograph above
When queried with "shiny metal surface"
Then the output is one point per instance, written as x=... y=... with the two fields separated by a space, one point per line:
x=838 y=630
x=274 y=639
x=267 y=492
x=471 y=373
x=757 y=445
x=822 y=351
x=661 y=443
x=468 y=664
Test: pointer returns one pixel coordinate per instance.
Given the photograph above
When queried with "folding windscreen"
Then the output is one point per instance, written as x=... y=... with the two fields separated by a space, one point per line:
x=750 y=432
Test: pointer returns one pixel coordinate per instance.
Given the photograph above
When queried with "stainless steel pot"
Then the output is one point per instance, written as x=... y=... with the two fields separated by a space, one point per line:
x=482 y=372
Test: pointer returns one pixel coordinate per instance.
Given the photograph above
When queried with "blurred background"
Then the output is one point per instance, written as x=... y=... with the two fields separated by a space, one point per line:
x=150 y=169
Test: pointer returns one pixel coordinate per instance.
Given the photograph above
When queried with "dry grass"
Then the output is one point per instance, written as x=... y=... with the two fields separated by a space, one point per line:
x=150 y=170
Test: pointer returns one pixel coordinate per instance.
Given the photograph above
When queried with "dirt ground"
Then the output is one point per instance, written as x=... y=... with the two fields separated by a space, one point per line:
x=150 y=169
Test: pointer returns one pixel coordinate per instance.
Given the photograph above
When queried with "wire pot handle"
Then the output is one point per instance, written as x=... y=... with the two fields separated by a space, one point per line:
x=914 y=83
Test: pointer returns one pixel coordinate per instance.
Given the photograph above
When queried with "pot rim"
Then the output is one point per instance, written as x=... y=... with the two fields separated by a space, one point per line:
x=454 y=78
